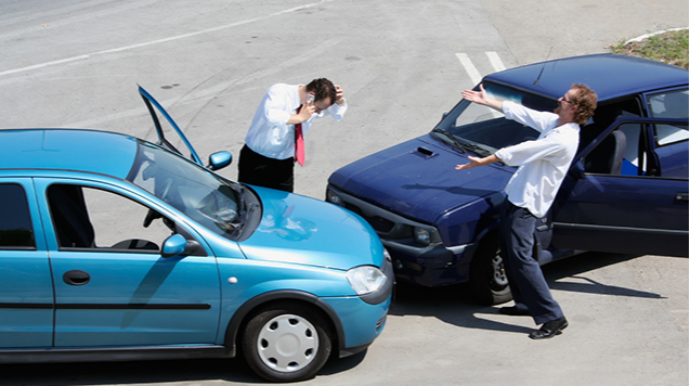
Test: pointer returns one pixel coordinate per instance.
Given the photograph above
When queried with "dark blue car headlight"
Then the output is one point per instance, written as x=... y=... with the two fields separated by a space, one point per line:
x=422 y=236
x=333 y=197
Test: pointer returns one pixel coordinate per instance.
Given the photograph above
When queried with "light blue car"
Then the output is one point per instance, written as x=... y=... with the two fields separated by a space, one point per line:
x=115 y=248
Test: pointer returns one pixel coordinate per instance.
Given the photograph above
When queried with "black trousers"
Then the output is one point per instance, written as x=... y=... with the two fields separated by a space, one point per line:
x=255 y=169
x=527 y=282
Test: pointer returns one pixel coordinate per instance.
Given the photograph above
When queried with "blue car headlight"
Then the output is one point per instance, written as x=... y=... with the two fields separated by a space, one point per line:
x=366 y=279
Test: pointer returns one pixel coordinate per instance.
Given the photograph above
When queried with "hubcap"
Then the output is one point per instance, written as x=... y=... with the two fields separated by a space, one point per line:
x=287 y=343
x=500 y=278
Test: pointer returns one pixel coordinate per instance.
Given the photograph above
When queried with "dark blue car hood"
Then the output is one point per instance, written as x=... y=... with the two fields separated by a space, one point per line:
x=417 y=179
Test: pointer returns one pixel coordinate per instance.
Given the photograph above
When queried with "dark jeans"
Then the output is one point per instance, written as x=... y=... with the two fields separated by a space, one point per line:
x=255 y=169
x=527 y=283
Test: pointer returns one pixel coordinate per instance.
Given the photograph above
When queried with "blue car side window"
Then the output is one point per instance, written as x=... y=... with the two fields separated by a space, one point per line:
x=16 y=230
x=671 y=104
x=87 y=218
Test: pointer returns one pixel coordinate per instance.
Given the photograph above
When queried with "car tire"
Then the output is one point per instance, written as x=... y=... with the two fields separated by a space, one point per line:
x=488 y=282
x=286 y=343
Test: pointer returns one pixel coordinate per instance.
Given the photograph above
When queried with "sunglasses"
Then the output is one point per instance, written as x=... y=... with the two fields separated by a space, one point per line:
x=567 y=101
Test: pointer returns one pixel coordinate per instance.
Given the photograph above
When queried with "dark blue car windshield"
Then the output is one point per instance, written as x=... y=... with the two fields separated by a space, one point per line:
x=191 y=189
x=484 y=130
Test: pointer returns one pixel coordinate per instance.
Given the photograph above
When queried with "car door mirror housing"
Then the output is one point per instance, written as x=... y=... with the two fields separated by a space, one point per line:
x=219 y=160
x=178 y=245
x=174 y=245
x=577 y=171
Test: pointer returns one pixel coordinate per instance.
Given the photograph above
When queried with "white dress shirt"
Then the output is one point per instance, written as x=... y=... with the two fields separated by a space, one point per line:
x=543 y=162
x=269 y=133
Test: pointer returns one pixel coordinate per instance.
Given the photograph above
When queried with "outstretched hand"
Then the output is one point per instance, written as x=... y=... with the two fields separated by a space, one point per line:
x=474 y=162
x=476 y=96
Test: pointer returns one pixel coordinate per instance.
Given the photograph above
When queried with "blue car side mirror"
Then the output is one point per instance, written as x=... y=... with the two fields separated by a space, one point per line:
x=219 y=160
x=174 y=245
x=177 y=245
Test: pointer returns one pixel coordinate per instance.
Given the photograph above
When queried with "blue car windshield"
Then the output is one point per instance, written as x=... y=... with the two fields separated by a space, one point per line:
x=189 y=188
x=482 y=130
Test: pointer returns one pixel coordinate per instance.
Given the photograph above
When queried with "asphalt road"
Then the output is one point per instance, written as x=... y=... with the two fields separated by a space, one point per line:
x=402 y=64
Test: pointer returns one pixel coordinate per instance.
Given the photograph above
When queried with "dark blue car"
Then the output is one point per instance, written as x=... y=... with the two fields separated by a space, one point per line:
x=626 y=192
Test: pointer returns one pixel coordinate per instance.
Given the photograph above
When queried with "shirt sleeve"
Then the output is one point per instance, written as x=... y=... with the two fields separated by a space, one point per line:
x=276 y=110
x=538 y=120
x=529 y=151
x=336 y=111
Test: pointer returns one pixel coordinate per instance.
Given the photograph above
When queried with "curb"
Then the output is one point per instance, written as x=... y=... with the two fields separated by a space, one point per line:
x=647 y=36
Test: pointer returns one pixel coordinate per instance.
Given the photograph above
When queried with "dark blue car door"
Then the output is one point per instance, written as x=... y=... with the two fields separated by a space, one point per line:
x=26 y=290
x=634 y=198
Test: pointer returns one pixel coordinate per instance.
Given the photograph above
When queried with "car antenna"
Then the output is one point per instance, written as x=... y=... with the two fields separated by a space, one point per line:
x=536 y=82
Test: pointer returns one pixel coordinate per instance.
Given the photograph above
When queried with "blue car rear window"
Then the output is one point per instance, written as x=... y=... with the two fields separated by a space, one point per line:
x=15 y=220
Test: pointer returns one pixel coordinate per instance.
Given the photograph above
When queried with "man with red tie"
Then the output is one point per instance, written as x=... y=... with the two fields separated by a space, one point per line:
x=275 y=140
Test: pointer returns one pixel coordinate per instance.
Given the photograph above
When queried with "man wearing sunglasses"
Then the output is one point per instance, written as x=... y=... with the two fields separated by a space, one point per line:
x=543 y=164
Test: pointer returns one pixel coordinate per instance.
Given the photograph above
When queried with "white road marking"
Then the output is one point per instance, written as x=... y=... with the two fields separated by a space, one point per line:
x=475 y=76
x=496 y=62
x=153 y=42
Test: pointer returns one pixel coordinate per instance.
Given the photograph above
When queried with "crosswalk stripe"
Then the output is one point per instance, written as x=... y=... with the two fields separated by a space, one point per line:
x=495 y=61
x=475 y=76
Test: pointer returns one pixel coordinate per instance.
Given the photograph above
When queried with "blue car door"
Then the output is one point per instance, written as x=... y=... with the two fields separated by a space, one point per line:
x=112 y=286
x=26 y=291
x=638 y=207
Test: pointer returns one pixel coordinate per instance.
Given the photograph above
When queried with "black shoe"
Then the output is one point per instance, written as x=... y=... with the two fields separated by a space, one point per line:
x=514 y=311
x=550 y=329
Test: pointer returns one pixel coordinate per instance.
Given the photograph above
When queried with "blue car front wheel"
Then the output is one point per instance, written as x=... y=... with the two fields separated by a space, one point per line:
x=286 y=343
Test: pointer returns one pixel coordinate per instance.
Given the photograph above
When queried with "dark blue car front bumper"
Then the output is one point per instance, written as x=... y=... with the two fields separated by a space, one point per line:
x=428 y=265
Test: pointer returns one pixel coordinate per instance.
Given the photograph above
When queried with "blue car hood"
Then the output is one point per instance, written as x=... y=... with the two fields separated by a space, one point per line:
x=303 y=230
x=417 y=179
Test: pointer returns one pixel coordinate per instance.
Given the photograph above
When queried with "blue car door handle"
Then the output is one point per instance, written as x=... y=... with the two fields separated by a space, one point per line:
x=76 y=277
x=682 y=197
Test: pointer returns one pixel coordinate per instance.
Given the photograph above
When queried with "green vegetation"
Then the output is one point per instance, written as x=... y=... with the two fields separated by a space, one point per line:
x=669 y=47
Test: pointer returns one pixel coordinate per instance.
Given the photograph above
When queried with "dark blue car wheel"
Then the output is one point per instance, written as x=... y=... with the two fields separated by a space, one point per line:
x=286 y=342
x=488 y=282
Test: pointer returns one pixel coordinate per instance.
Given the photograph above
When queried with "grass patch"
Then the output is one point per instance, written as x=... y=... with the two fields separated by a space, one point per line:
x=669 y=47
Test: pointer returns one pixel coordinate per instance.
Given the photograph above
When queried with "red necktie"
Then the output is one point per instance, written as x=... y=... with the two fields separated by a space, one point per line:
x=299 y=141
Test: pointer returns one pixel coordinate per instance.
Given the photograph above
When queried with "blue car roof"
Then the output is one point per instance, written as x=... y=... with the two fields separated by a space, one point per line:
x=610 y=76
x=68 y=149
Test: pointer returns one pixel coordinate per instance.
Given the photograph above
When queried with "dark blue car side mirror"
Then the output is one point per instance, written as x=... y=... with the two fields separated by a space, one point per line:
x=577 y=171
x=219 y=160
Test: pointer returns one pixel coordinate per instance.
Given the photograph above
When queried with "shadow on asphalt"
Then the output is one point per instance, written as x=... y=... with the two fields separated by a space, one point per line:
x=145 y=372
x=450 y=304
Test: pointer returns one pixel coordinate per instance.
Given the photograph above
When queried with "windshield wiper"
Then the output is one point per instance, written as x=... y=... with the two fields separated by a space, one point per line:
x=451 y=138
x=476 y=148
x=465 y=147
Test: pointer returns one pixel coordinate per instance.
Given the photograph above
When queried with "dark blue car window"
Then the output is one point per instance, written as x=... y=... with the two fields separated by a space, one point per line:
x=488 y=129
x=669 y=104
x=15 y=220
